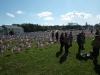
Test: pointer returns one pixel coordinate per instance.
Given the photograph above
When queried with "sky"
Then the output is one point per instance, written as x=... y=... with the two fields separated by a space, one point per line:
x=49 y=12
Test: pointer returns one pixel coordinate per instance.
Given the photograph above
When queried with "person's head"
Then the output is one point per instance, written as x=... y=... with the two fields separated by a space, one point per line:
x=65 y=34
x=96 y=29
x=70 y=32
x=79 y=34
x=99 y=36
x=62 y=34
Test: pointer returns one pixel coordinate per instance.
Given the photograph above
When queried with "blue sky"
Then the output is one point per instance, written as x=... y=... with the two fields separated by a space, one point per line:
x=49 y=12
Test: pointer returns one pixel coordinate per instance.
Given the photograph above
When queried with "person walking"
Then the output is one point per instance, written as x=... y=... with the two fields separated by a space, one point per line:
x=70 y=38
x=79 y=42
x=66 y=41
x=83 y=40
x=57 y=36
x=97 y=32
x=61 y=42
x=52 y=35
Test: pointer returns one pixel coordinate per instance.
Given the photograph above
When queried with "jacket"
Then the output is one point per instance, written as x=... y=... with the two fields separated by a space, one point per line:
x=96 y=43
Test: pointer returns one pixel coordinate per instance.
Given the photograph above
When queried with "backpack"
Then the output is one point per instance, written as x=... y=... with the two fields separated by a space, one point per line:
x=86 y=56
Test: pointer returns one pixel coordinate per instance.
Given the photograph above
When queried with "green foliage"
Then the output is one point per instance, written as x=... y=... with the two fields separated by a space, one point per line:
x=28 y=27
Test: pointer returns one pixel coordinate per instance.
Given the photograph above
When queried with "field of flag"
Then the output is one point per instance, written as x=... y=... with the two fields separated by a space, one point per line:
x=35 y=54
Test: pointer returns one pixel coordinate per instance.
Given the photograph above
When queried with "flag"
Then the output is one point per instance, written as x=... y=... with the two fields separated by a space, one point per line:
x=12 y=50
x=47 y=43
x=1 y=41
x=42 y=44
x=19 y=49
x=1 y=51
x=37 y=45
x=29 y=45
x=52 y=42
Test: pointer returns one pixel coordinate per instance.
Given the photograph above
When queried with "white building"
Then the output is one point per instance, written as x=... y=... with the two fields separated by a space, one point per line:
x=72 y=23
x=5 y=29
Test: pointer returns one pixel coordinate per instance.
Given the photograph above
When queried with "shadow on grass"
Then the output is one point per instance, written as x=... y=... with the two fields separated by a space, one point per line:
x=63 y=58
x=9 y=49
x=40 y=49
x=50 y=47
x=97 y=69
x=58 y=53
x=81 y=57
x=8 y=55
x=26 y=51
x=78 y=57
x=46 y=48
x=16 y=53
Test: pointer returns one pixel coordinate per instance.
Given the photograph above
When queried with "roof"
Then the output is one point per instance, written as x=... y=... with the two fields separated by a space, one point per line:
x=11 y=26
x=1 y=27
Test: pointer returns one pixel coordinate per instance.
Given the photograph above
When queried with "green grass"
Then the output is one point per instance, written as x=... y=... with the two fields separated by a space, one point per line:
x=43 y=61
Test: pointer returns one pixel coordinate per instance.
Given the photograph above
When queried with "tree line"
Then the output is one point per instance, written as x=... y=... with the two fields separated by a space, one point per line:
x=28 y=27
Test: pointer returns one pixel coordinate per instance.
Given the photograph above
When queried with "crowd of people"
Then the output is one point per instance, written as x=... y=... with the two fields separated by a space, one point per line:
x=67 y=39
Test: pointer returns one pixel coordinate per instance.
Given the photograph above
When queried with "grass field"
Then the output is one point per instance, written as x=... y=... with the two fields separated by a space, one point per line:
x=43 y=61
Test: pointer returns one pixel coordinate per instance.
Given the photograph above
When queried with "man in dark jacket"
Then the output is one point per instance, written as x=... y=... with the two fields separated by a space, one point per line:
x=83 y=39
x=61 y=41
x=97 y=32
x=96 y=46
x=79 y=42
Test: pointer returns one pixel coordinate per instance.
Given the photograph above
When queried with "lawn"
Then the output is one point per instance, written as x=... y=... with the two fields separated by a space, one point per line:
x=43 y=61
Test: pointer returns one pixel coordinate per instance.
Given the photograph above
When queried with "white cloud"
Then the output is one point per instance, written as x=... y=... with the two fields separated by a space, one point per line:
x=43 y=14
x=83 y=15
x=98 y=16
x=19 y=12
x=48 y=18
x=67 y=16
x=7 y=24
x=71 y=15
x=10 y=15
x=46 y=23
